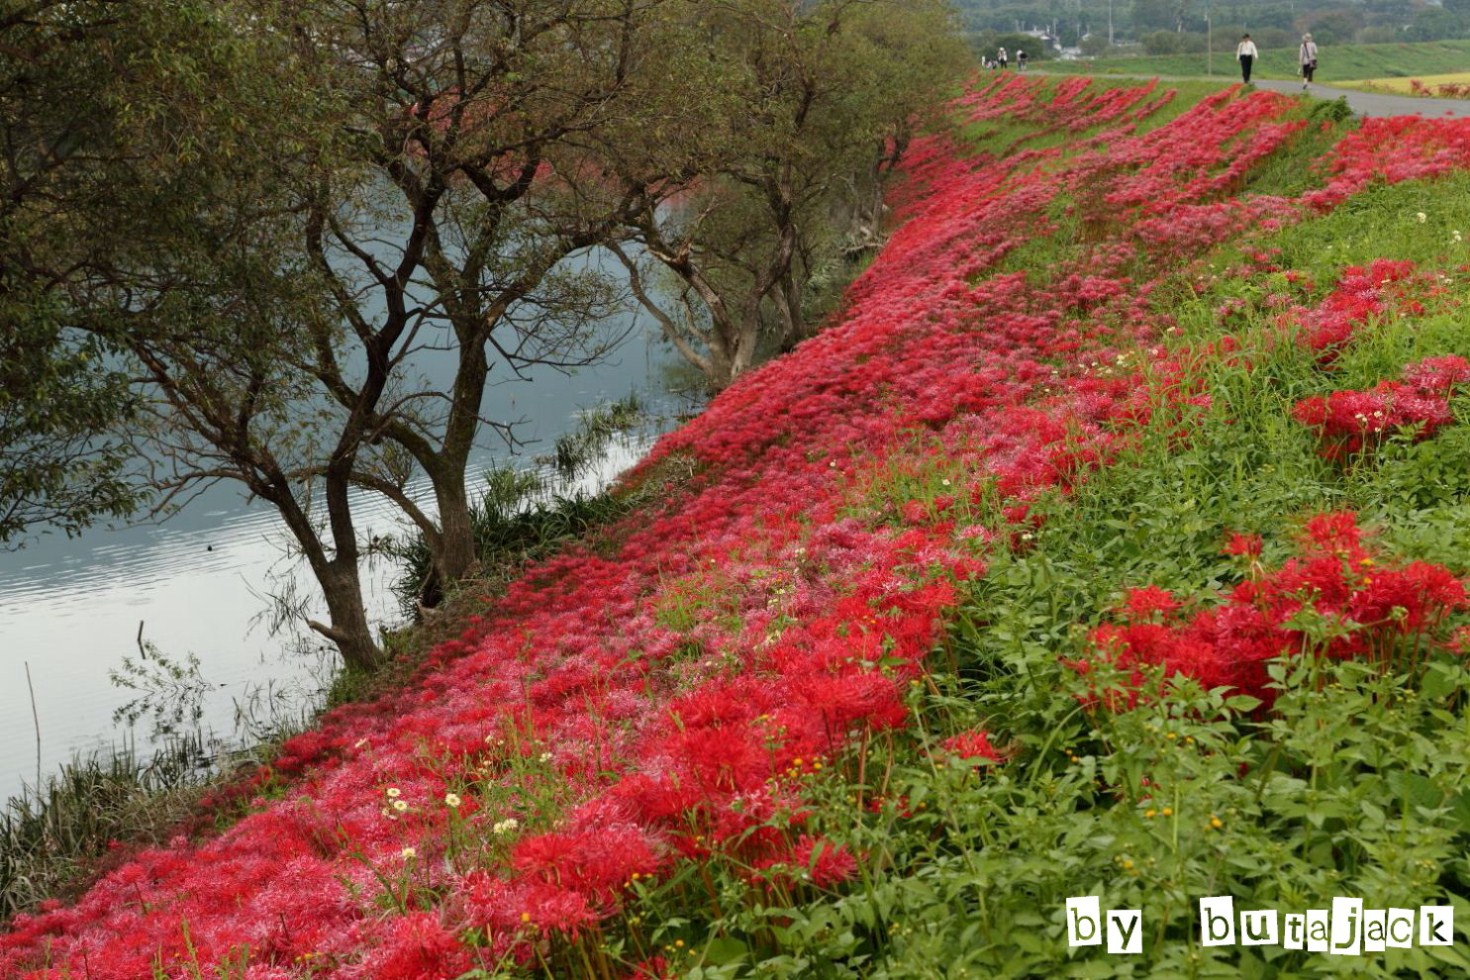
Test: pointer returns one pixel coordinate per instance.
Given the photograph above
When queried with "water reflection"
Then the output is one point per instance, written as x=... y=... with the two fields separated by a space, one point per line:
x=72 y=610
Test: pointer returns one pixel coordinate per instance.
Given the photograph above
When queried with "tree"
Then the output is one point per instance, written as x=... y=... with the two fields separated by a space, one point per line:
x=1334 y=26
x=416 y=179
x=54 y=400
x=1162 y=42
x=773 y=154
x=62 y=172
x=1432 y=24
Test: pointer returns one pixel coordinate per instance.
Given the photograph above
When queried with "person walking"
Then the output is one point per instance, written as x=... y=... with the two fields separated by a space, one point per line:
x=1021 y=60
x=1307 y=55
x=1000 y=56
x=1246 y=52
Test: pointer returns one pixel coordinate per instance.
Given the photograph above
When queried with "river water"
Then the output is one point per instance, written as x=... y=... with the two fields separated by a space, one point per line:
x=72 y=610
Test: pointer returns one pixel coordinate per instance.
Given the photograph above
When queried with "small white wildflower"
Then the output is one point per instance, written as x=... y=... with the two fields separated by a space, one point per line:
x=1421 y=217
x=394 y=792
x=400 y=805
x=452 y=799
x=505 y=826
x=545 y=756
x=409 y=852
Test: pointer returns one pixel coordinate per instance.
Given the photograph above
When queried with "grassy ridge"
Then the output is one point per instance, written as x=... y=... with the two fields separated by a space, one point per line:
x=1031 y=579
x=1348 y=62
x=1352 y=785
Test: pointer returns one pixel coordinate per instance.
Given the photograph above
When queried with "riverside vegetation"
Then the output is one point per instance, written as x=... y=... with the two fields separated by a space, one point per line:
x=1112 y=543
x=61 y=832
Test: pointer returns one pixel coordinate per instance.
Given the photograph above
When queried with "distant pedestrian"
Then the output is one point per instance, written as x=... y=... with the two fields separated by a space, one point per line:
x=1307 y=54
x=1247 y=53
x=1021 y=60
x=1000 y=57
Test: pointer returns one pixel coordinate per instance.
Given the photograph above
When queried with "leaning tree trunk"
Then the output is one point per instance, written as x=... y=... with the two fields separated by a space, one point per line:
x=349 y=630
x=336 y=573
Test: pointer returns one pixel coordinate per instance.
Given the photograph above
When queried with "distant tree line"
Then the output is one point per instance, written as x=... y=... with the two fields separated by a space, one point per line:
x=1178 y=26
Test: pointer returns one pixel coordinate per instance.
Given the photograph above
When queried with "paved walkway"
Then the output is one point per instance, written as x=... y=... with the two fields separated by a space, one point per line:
x=1362 y=103
x=1373 y=104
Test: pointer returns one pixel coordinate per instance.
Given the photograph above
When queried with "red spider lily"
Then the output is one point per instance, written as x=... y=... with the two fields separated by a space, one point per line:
x=1148 y=603
x=1351 y=422
x=971 y=746
x=1244 y=545
x=1376 y=610
x=671 y=737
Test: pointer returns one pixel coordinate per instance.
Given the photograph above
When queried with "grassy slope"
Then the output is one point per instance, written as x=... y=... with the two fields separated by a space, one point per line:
x=1190 y=797
x=1350 y=61
x=995 y=353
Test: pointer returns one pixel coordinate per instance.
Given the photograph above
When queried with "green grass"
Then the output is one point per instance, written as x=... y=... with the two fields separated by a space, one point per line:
x=1287 y=172
x=55 y=838
x=1348 y=62
x=1353 y=786
x=1006 y=135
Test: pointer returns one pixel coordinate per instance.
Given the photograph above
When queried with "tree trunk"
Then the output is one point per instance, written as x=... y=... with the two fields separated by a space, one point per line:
x=337 y=574
x=349 y=630
x=457 y=552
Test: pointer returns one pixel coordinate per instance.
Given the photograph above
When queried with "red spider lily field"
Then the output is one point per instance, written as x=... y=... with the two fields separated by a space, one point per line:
x=1110 y=542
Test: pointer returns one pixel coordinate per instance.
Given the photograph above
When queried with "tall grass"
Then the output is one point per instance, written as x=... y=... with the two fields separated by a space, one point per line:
x=54 y=838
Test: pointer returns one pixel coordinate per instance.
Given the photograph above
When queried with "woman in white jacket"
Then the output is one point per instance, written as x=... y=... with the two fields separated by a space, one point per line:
x=1307 y=55
x=1246 y=52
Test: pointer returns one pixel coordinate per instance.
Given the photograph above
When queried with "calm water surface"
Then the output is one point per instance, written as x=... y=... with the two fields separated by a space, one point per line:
x=198 y=583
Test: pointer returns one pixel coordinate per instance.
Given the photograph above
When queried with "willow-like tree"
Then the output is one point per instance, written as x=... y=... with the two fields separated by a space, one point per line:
x=368 y=182
x=771 y=169
x=428 y=184
x=63 y=170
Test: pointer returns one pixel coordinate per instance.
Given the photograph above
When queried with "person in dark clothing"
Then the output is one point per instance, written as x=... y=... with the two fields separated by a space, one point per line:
x=1247 y=53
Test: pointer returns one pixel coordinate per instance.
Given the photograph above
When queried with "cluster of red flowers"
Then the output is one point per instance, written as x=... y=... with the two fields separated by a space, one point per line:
x=1391 y=150
x=1359 y=296
x=615 y=715
x=1351 y=422
x=1335 y=596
